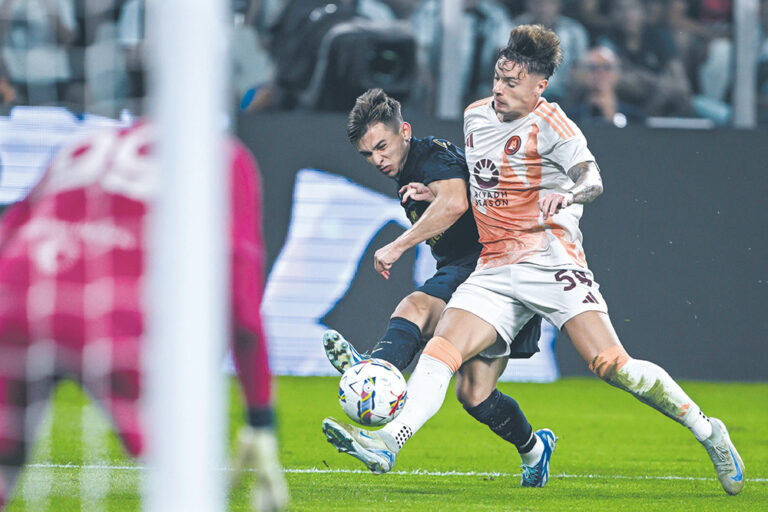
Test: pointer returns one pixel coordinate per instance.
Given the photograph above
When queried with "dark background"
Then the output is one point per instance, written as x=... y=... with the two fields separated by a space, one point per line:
x=677 y=241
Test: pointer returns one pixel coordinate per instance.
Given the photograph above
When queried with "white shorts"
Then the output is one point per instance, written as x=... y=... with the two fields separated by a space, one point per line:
x=508 y=296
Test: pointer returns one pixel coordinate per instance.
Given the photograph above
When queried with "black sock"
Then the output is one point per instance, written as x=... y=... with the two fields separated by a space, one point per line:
x=261 y=417
x=400 y=343
x=505 y=418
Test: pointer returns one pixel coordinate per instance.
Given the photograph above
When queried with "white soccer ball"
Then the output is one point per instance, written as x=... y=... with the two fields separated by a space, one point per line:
x=372 y=392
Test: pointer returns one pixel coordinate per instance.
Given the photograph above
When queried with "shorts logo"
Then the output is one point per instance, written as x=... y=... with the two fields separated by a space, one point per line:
x=512 y=145
x=484 y=167
x=590 y=299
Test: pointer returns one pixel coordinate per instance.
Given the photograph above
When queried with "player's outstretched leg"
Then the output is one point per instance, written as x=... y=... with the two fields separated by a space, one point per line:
x=728 y=464
x=372 y=447
x=339 y=351
x=650 y=384
x=537 y=475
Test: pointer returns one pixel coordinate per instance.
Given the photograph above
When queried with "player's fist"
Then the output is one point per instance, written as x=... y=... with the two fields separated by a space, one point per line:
x=553 y=203
x=384 y=258
x=257 y=455
x=416 y=191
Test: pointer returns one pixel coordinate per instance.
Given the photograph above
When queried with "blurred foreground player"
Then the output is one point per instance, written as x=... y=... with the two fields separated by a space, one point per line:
x=71 y=280
x=524 y=149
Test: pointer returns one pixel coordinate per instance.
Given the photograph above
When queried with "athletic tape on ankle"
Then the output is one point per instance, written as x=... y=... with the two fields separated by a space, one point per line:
x=609 y=361
x=444 y=351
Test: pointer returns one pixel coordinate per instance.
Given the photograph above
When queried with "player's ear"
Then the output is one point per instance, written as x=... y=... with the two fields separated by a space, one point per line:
x=541 y=86
x=405 y=131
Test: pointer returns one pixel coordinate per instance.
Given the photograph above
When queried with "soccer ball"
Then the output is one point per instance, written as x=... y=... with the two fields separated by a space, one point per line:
x=372 y=392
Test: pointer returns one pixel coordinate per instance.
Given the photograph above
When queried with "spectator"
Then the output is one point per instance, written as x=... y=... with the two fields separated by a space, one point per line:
x=652 y=75
x=594 y=79
x=594 y=15
x=35 y=35
x=253 y=72
x=486 y=29
x=716 y=72
x=131 y=32
x=574 y=40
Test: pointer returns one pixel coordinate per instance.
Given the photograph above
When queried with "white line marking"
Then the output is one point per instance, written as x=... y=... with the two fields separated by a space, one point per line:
x=415 y=472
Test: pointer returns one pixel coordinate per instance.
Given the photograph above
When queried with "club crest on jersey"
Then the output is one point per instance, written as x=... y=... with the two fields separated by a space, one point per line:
x=485 y=167
x=512 y=145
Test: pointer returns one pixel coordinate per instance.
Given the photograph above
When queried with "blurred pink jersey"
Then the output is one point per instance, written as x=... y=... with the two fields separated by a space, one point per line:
x=72 y=266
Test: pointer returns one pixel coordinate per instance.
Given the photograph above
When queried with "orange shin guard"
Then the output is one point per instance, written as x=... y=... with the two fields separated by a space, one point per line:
x=444 y=351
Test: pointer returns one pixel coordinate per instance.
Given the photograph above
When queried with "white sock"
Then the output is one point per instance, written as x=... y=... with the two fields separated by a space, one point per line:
x=426 y=393
x=649 y=383
x=533 y=456
x=701 y=427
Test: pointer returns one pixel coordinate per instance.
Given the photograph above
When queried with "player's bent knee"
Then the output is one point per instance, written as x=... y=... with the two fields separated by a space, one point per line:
x=607 y=364
x=443 y=350
x=419 y=308
x=471 y=396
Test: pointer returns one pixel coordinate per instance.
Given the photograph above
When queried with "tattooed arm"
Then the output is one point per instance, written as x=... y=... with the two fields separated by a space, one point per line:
x=588 y=183
x=587 y=186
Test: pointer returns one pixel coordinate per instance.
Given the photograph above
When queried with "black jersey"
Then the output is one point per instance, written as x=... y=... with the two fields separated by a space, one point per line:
x=429 y=160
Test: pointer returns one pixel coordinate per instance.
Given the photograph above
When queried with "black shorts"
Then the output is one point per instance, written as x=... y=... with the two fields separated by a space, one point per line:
x=526 y=343
x=448 y=278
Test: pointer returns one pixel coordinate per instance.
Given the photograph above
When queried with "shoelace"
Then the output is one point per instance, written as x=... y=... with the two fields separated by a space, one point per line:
x=530 y=473
x=723 y=454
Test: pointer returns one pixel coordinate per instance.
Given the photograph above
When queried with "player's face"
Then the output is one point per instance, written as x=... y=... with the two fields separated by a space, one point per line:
x=515 y=91
x=385 y=148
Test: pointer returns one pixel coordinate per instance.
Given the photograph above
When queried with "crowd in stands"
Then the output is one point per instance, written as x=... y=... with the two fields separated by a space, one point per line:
x=625 y=60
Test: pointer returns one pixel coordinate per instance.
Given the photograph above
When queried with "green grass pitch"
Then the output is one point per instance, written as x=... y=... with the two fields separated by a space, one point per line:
x=613 y=454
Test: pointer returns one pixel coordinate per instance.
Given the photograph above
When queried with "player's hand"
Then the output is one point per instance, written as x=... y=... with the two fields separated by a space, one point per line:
x=553 y=203
x=257 y=455
x=417 y=192
x=384 y=258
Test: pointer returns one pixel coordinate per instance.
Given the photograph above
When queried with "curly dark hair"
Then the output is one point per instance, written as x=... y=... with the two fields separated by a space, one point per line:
x=535 y=47
x=371 y=107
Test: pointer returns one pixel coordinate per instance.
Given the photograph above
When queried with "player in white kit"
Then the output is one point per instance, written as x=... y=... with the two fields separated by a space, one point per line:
x=530 y=175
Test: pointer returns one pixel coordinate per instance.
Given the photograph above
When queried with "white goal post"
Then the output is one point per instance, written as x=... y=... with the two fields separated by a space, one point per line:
x=188 y=267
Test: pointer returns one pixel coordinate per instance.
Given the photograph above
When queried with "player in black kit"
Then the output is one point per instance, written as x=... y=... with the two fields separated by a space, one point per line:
x=432 y=176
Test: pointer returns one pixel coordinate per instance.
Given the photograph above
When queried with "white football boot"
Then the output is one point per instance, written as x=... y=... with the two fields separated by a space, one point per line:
x=728 y=464
x=368 y=446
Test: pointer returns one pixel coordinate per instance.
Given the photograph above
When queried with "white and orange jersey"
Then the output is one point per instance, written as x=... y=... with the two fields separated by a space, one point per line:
x=514 y=164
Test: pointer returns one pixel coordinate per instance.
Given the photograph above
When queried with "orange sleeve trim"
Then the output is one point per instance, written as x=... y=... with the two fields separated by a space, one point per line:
x=552 y=124
x=444 y=351
x=478 y=103
x=556 y=121
x=548 y=108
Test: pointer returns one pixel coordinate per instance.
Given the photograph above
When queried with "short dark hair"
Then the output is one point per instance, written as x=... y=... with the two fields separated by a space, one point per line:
x=535 y=47
x=371 y=107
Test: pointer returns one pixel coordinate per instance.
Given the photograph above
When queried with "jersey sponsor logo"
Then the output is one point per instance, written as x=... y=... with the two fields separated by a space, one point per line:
x=512 y=145
x=485 y=167
x=470 y=141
